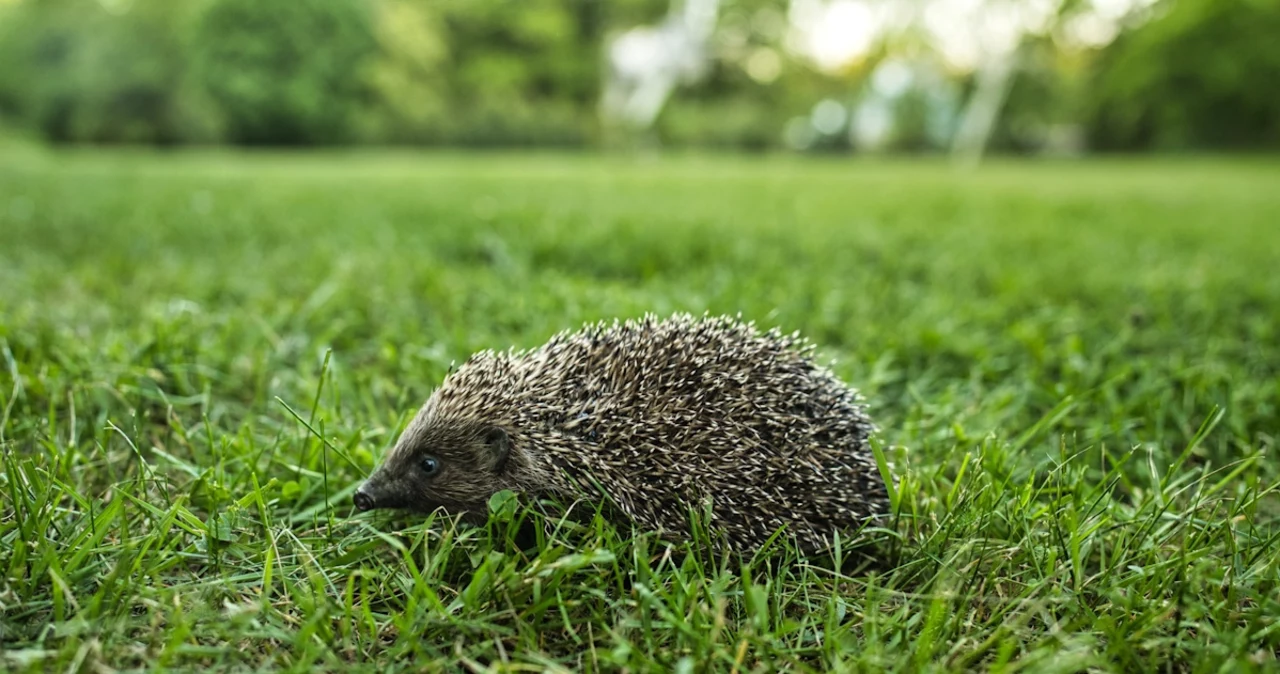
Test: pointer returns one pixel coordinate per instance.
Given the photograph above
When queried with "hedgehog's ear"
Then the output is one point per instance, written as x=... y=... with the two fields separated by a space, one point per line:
x=500 y=445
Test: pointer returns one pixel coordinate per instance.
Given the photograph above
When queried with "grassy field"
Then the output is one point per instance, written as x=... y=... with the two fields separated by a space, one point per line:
x=1076 y=367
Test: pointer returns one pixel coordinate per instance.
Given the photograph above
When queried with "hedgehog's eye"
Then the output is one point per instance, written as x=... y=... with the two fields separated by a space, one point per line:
x=430 y=465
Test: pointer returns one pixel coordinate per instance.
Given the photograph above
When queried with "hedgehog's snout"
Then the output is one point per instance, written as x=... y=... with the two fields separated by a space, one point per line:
x=363 y=500
x=371 y=495
x=382 y=492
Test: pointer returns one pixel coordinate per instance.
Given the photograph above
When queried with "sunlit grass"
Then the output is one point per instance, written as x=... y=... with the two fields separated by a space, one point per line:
x=1076 y=368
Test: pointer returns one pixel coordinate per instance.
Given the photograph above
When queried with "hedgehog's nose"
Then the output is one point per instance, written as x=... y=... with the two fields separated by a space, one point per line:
x=363 y=500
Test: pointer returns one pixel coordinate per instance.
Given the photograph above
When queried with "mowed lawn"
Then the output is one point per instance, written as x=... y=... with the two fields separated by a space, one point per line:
x=1075 y=366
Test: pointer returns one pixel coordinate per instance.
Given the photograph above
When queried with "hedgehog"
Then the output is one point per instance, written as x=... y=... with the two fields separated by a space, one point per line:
x=660 y=417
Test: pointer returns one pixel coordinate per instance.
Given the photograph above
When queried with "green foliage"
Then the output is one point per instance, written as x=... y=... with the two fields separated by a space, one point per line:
x=1075 y=365
x=503 y=73
x=505 y=51
x=409 y=75
x=1203 y=75
x=1048 y=89
x=285 y=72
x=78 y=72
x=524 y=73
x=725 y=124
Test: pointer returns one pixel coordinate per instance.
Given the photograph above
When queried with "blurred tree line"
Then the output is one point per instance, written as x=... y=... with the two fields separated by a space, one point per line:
x=1201 y=74
x=1206 y=74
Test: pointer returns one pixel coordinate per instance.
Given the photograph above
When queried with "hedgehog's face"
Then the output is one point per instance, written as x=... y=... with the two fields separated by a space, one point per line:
x=454 y=466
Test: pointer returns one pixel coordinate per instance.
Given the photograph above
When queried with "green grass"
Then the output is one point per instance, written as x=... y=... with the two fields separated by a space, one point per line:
x=1076 y=367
